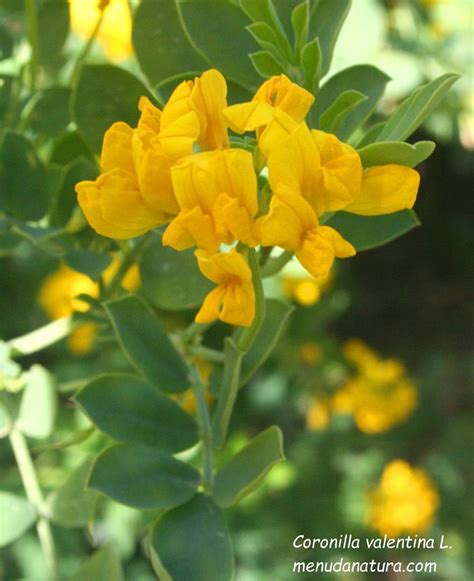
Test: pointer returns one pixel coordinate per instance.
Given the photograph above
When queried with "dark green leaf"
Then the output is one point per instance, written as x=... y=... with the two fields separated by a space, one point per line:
x=147 y=344
x=53 y=29
x=335 y=114
x=366 y=79
x=273 y=326
x=6 y=43
x=49 y=240
x=88 y=262
x=38 y=404
x=23 y=179
x=143 y=477
x=50 y=115
x=172 y=280
x=246 y=470
x=205 y=21
x=385 y=152
x=68 y=147
x=104 y=565
x=192 y=543
x=105 y=94
x=162 y=47
x=300 y=22
x=264 y=11
x=72 y=504
x=416 y=108
x=17 y=517
x=311 y=63
x=366 y=232
x=129 y=409
x=265 y=64
x=326 y=20
x=267 y=39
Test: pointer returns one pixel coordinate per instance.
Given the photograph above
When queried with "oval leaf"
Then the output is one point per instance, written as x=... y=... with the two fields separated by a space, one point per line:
x=247 y=469
x=142 y=477
x=147 y=344
x=192 y=543
x=104 y=565
x=347 y=101
x=17 y=517
x=399 y=152
x=129 y=409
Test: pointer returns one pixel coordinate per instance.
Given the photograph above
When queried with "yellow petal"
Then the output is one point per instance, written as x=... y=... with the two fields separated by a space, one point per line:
x=177 y=138
x=154 y=178
x=279 y=91
x=150 y=118
x=209 y=99
x=194 y=181
x=117 y=148
x=192 y=227
x=233 y=219
x=223 y=267
x=178 y=104
x=239 y=305
x=320 y=247
x=276 y=132
x=236 y=177
x=211 y=306
x=386 y=189
x=248 y=116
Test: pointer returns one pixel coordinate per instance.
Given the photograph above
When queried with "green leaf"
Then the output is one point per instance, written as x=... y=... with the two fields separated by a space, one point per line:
x=53 y=29
x=105 y=94
x=385 y=152
x=17 y=517
x=410 y=114
x=72 y=504
x=367 y=232
x=326 y=20
x=143 y=477
x=264 y=11
x=276 y=318
x=332 y=118
x=38 y=404
x=371 y=134
x=311 y=59
x=172 y=280
x=192 y=543
x=23 y=178
x=68 y=147
x=265 y=64
x=162 y=47
x=245 y=471
x=50 y=114
x=6 y=43
x=267 y=39
x=65 y=199
x=300 y=22
x=206 y=21
x=129 y=409
x=88 y=262
x=366 y=79
x=49 y=240
x=104 y=565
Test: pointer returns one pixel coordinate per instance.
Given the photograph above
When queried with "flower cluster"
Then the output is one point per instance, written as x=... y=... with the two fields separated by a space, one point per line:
x=379 y=396
x=404 y=502
x=177 y=167
x=59 y=297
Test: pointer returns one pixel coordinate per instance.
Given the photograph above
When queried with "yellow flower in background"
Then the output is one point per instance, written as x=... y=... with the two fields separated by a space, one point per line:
x=58 y=298
x=318 y=415
x=404 y=502
x=217 y=194
x=187 y=399
x=233 y=301
x=134 y=193
x=115 y=33
x=292 y=224
x=305 y=290
x=380 y=396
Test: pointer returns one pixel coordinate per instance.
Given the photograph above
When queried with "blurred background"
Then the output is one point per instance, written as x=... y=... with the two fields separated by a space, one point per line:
x=372 y=381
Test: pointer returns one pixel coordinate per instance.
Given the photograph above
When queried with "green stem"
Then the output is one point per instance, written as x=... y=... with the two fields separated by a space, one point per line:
x=206 y=353
x=128 y=260
x=234 y=353
x=274 y=265
x=35 y=496
x=76 y=71
x=32 y=28
x=205 y=429
x=42 y=337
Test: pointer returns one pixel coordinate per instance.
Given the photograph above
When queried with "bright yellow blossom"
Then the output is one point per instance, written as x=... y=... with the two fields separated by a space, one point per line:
x=217 y=194
x=134 y=193
x=404 y=502
x=305 y=289
x=233 y=301
x=58 y=298
x=380 y=396
x=292 y=224
x=115 y=33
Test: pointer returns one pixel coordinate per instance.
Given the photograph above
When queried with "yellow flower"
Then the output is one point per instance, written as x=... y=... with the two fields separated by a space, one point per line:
x=275 y=94
x=293 y=225
x=58 y=298
x=233 y=301
x=404 y=502
x=207 y=97
x=134 y=193
x=217 y=195
x=380 y=396
x=319 y=414
x=115 y=33
x=305 y=290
